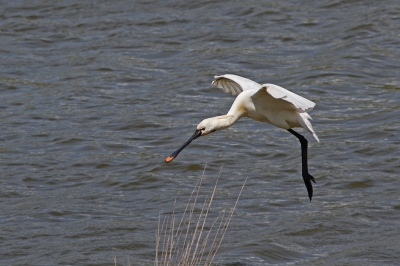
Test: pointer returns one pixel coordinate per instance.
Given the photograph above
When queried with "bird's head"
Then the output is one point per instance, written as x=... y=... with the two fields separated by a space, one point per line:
x=206 y=127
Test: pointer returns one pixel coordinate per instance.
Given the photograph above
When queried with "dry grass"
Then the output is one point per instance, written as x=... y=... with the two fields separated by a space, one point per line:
x=192 y=239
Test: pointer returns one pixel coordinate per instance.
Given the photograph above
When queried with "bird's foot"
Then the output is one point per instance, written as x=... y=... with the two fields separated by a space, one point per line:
x=307 y=177
x=311 y=178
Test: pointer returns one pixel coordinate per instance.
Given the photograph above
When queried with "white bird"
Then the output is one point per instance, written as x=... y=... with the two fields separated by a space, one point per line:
x=264 y=103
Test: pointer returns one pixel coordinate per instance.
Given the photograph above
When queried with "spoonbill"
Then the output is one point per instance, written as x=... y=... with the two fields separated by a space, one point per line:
x=267 y=103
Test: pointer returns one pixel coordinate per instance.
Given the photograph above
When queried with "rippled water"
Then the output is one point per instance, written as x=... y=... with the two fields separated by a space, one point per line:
x=95 y=94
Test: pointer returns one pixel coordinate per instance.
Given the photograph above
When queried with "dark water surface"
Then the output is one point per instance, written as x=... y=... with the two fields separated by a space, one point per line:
x=95 y=94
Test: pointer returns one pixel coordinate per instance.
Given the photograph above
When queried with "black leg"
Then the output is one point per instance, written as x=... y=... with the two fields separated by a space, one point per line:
x=306 y=176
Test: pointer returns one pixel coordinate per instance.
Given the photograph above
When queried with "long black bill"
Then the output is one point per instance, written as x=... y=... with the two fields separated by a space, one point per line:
x=196 y=134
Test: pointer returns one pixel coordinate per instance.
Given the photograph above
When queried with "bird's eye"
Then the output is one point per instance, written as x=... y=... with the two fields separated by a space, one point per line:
x=203 y=128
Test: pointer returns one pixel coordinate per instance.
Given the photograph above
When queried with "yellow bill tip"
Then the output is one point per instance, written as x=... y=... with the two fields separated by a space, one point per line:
x=168 y=159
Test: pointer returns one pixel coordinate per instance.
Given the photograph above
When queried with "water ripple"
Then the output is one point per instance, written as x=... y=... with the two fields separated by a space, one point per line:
x=94 y=96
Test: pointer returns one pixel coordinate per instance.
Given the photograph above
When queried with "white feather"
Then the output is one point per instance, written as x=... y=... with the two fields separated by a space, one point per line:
x=305 y=123
x=235 y=84
x=302 y=104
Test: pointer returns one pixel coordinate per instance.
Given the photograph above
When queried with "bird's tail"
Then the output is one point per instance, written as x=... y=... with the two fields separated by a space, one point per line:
x=305 y=123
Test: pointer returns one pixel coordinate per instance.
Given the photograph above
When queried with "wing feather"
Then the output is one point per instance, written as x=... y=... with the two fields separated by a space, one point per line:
x=224 y=87
x=236 y=88
x=235 y=84
x=300 y=103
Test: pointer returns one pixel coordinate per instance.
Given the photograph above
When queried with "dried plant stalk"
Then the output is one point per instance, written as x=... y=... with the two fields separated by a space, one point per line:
x=192 y=241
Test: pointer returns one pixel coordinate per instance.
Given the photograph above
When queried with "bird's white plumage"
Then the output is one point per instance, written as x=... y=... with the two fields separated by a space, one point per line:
x=268 y=102
x=236 y=84
x=305 y=123
x=302 y=104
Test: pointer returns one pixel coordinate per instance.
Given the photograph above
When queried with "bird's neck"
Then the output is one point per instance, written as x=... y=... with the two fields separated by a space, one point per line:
x=225 y=121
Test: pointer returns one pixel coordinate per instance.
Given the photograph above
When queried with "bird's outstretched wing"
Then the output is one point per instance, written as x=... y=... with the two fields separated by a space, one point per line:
x=235 y=84
x=300 y=103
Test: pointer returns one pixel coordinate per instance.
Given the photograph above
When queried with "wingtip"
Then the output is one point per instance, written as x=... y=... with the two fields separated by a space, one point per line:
x=215 y=79
x=316 y=137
